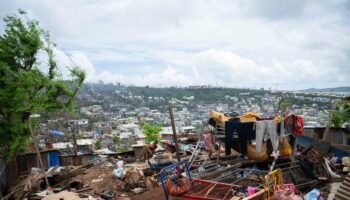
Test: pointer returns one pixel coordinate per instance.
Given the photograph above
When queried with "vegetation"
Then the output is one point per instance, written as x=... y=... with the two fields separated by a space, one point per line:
x=151 y=132
x=121 y=149
x=284 y=106
x=26 y=85
x=341 y=114
x=213 y=95
x=115 y=138
x=98 y=144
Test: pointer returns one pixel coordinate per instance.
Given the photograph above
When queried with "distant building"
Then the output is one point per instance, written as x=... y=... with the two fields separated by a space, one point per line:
x=80 y=122
x=86 y=146
x=188 y=129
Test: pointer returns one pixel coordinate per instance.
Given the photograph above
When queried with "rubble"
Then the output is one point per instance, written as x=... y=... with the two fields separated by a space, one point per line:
x=94 y=179
x=63 y=195
x=308 y=173
x=133 y=176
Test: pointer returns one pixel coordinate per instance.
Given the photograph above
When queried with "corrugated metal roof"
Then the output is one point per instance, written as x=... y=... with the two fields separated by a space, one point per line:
x=343 y=193
x=342 y=147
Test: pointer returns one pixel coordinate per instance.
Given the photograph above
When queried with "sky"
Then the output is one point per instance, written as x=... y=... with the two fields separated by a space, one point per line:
x=289 y=45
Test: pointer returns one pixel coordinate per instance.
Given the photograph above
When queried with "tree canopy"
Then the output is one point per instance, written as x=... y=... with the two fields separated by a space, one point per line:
x=151 y=132
x=341 y=114
x=28 y=86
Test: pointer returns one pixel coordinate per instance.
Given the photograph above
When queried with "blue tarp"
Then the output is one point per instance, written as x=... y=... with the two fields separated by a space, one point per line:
x=54 y=159
x=56 y=132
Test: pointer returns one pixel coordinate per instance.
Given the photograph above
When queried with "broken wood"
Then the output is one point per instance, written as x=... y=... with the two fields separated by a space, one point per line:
x=83 y=190
x=39 y=156
x=11 y=193
x=174 y=132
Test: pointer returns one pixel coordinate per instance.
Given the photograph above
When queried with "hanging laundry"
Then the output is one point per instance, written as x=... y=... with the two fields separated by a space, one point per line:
x=294 y=124
x=245 y=132
x=299 y=126
x=231 y=127
x=209 y=143
x=266 y=127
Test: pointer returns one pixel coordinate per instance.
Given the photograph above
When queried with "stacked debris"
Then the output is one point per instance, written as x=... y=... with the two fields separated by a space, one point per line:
x=94 y=179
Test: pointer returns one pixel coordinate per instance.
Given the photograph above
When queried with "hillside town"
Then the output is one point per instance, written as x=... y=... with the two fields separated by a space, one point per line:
x=204 y=100
x=109 y=125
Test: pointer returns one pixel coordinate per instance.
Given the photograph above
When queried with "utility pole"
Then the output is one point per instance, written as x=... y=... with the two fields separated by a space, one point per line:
x=75 y=140
x=174 y=131
x=39 y=156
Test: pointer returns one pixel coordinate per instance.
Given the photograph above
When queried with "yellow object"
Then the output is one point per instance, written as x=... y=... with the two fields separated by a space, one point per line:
x=218 y=116
x=249 y=117
x=252 y=114
x=275 y=178
x=278 y=119
x=254 y=155
x=286 y=148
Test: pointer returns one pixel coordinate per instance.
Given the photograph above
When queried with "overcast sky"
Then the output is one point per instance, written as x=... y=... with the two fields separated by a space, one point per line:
x=295 y=44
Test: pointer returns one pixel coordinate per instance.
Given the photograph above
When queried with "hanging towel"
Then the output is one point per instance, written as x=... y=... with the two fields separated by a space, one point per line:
x=260 y=127
x=268 y=127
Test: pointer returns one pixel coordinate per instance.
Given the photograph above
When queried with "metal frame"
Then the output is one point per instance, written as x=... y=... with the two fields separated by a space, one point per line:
x=169 y=171
x=275 y=177
x=203 y=193
x=210 y=187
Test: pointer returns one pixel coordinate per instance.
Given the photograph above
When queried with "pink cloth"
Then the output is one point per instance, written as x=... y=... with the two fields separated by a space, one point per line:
x=208 y=142
x=251 y=190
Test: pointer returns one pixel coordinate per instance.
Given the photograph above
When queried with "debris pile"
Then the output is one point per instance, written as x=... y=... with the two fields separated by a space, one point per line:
x=93 y=180
x=290 y=170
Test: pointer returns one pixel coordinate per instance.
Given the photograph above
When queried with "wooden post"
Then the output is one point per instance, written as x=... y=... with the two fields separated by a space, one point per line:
x=326 y=131
x=75 y=140
x=174 y=132
x=39 y=156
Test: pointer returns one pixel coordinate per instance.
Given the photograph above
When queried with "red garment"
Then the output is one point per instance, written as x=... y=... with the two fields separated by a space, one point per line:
x=298 y=128
x=294 y=124
x=152 y=147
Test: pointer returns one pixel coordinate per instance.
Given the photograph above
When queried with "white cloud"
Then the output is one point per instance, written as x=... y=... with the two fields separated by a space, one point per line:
x=67 y=60
x=226 y=68
x=235 y=43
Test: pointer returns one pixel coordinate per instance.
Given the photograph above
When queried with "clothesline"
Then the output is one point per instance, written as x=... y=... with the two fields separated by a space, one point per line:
x=259 y=130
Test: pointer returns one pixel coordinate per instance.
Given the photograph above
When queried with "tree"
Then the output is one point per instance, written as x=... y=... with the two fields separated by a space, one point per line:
x=115 y=138
x=341 y=114
x=26 y=85
x=151 y=132
x=284 y=106
x=98 y=144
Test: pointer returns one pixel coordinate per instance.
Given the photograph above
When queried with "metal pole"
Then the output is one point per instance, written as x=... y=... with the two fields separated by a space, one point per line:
x=174 y=132
x=39 y=156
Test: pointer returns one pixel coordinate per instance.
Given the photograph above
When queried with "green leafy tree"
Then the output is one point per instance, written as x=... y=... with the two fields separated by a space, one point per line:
x=115 y=138
x=151 y=132
x=284 y=106
x=98 y=144
x=341 y=114
x=26 y=85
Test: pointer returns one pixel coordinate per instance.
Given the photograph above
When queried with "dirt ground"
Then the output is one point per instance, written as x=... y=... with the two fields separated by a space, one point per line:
x=104 y=180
